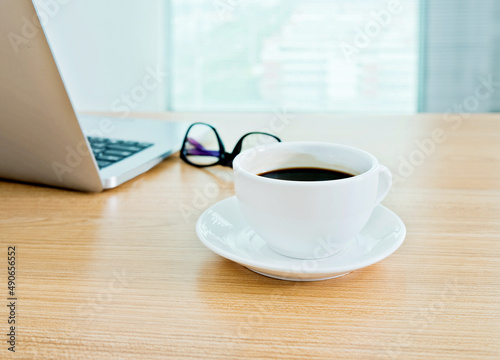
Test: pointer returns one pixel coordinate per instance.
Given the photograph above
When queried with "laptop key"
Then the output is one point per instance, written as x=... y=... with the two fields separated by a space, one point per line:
x=144 y=145
x=98 y=144
x=103 y=164
x=118 y=153
x=129 y=143
x=109 y=158
x=132 y=149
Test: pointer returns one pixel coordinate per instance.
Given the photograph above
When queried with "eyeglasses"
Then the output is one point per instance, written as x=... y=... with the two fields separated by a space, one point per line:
x=202 y=145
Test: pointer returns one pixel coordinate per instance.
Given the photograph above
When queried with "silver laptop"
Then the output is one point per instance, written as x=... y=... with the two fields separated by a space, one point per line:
x=41 y=138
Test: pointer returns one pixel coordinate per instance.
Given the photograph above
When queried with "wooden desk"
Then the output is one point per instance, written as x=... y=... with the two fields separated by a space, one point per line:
x=122 y=274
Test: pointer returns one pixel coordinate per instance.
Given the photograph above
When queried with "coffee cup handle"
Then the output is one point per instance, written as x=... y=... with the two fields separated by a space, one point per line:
x=384 y=183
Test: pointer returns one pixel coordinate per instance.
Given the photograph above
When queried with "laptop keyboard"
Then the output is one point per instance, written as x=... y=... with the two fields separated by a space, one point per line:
x=109 y=151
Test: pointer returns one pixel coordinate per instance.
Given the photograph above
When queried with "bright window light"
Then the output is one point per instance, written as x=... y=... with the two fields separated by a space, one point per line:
x=302 y=55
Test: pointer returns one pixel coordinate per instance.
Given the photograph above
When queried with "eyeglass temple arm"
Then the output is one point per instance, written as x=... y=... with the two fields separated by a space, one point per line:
x=239 y=144
x=228 y=160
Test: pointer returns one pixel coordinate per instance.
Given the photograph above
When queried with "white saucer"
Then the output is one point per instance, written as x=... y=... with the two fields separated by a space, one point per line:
x=223 y=230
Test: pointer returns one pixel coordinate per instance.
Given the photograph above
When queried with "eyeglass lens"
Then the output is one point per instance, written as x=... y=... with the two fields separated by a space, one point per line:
x=201 y=145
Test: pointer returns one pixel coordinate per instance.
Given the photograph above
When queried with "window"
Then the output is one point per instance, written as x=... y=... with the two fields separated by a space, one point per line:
x=302 y=55
x=460 y=61
x=371 y=56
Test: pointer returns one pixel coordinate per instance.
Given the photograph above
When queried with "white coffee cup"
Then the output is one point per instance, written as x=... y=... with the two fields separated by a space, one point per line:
x=308 y=219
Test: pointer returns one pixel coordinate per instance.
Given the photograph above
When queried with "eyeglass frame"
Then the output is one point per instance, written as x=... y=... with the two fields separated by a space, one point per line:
x=225 y=158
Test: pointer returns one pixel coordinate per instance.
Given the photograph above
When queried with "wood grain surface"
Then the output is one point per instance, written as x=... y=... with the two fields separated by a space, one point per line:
x=122 y=274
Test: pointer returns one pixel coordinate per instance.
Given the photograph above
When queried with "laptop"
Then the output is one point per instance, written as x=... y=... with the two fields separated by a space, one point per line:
x=42 y=140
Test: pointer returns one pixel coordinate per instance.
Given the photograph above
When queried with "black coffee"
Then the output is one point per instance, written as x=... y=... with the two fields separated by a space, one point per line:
x=306 y=174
